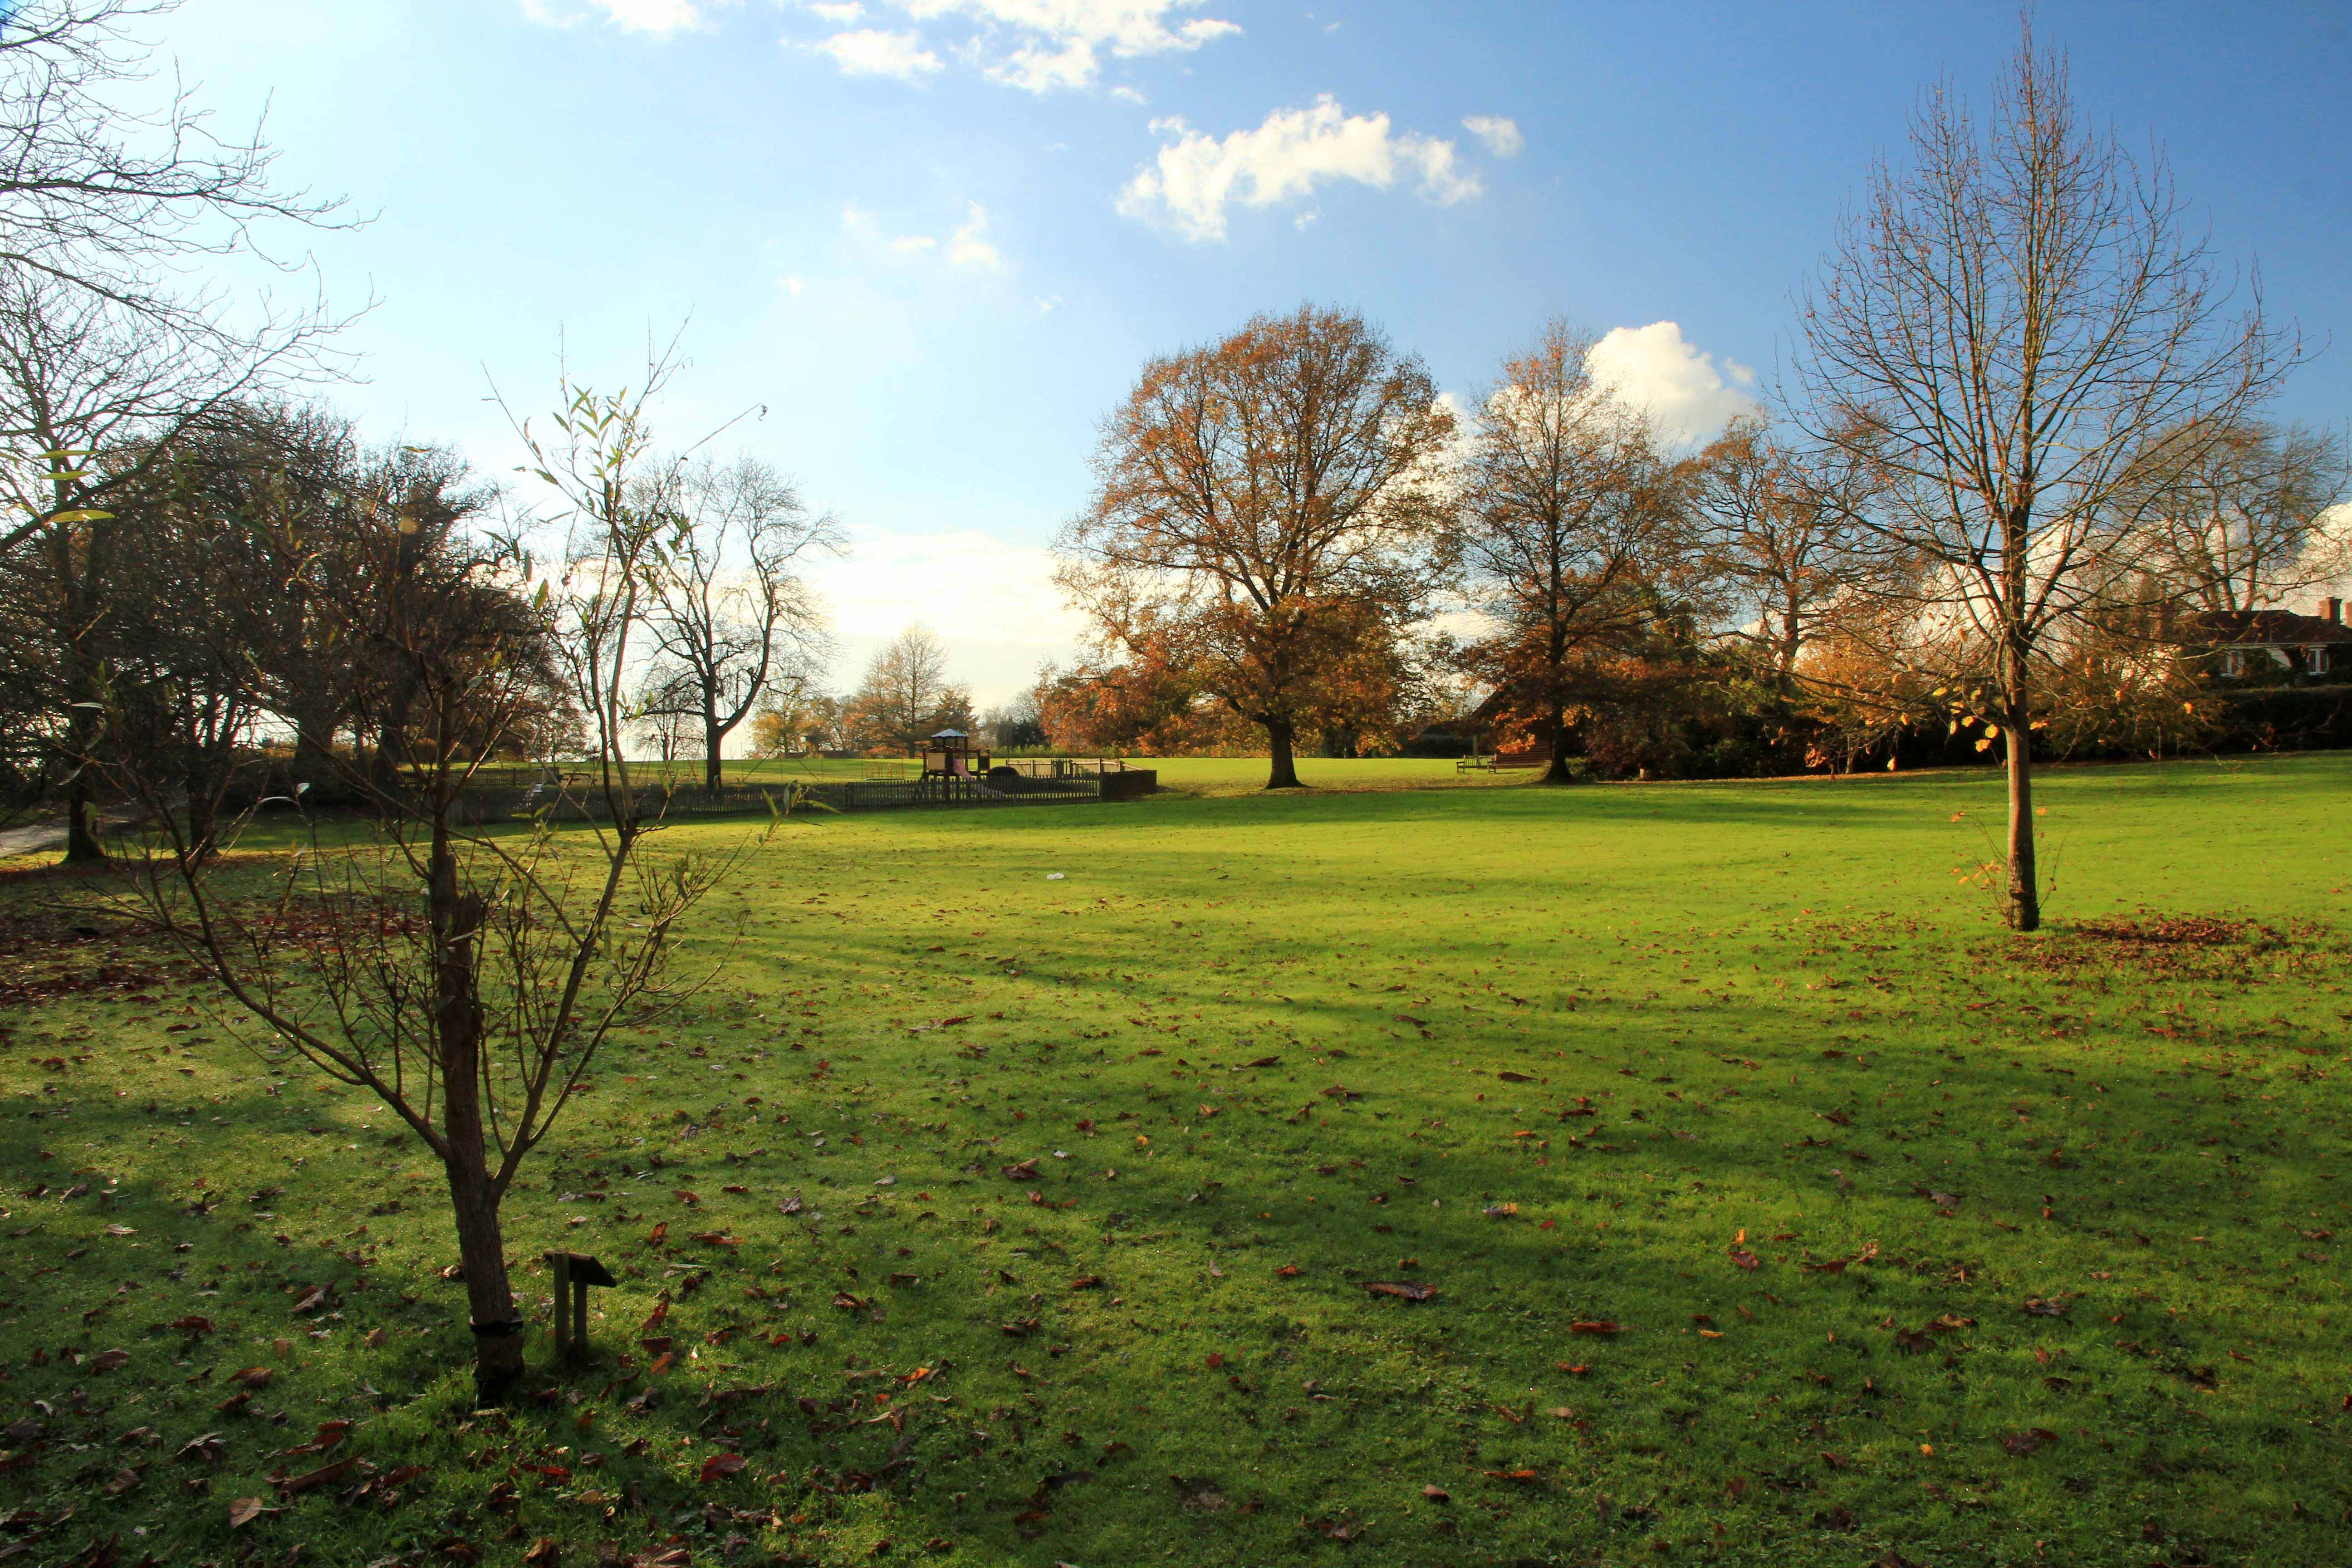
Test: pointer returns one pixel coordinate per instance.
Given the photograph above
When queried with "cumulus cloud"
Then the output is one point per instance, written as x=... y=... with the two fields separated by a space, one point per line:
x=870 y=52
x=1045 y=45
x=1688 y=393
x=907 y=244
x=1197 y=176
x=1501 y=136
x=967 y=248
x=840 y=13
x=657 y=17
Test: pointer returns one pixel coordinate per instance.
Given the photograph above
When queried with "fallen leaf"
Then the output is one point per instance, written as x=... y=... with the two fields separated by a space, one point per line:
x=1602 y=1326
x=1437 y=1494
x=244 y=1510
x=719 y=1466
x=1409 y=1289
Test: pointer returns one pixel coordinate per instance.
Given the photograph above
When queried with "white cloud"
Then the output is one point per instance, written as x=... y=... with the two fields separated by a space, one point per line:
x=1045 y=45
x=869 y=51
x=840 y=13
x=1501 y=136
x=1046 y=303
x=967 y=248
x=657 y=17
x=1129 y=95
x=1196 y=176
x=1689 y=395
x=792 y=286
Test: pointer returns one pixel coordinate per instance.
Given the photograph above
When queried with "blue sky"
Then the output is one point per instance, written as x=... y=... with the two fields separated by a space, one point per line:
x=936 y=239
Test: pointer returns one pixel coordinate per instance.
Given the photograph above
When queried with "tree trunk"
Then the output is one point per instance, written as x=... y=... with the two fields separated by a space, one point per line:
x=1283 y=773
x=712 y=739
x=2024 y=901
x=1557 y=772
x=473 y=1193
x=82 y=845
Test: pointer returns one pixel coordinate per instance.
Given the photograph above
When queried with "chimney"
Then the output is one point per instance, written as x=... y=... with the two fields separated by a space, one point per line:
x=2332 y=609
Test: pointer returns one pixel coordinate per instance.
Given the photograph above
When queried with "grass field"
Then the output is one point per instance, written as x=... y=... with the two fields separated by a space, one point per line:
x=1775 y=1205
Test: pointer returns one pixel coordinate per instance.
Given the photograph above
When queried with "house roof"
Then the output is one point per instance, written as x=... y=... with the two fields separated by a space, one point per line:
x=2270 y=628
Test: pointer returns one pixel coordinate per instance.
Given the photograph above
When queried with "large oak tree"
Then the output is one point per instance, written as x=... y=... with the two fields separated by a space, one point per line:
x=1269 y=504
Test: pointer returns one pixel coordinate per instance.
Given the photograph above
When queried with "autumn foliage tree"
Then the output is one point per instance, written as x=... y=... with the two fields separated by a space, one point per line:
x=1270 y=504
x=1570 y=528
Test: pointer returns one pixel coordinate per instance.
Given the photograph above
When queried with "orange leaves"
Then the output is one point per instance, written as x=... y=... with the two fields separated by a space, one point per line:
x=1597 y=1326
x=717 y=1238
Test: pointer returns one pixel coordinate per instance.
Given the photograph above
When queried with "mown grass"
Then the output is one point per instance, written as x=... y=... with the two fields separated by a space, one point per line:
x=1267 y=1052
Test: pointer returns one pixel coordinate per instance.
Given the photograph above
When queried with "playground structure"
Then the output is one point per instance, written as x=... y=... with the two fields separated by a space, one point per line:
x=949 y=755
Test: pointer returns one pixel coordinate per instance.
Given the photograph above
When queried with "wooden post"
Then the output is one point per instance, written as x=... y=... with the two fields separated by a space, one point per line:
x=575 y=1272
x=563 y=1296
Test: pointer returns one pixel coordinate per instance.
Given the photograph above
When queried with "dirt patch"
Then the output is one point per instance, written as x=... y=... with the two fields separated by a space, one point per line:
x=2175 y=931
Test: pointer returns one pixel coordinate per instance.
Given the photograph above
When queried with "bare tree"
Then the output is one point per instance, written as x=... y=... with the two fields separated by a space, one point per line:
x=2008 y=326
x=906 y=697
x=1267 y=504
x=102 y=205
x=2235 y=518
x=1570 y=524
x=1780 y=531
x=466 y=977
x=729 y=611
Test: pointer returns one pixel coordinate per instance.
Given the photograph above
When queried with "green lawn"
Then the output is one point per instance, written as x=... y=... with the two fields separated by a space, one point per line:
x=1921 y=1243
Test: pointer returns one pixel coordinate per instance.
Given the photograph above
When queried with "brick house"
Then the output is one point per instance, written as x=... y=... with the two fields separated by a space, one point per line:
x=2275 y=645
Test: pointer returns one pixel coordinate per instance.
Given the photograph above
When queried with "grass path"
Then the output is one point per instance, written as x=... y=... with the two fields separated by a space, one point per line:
x=1775 y=1206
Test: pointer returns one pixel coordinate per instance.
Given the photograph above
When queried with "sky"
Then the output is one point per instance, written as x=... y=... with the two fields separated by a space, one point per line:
x=931 y=243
